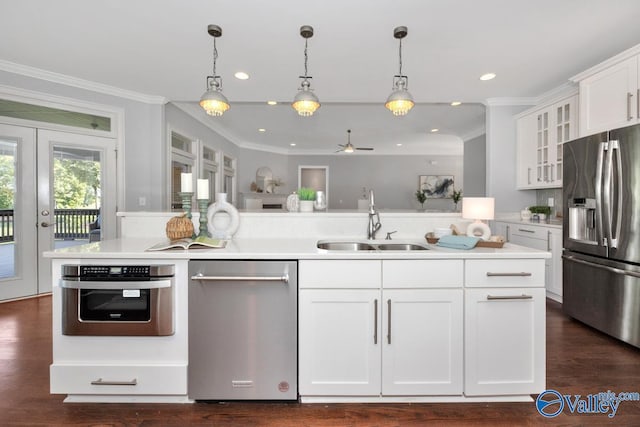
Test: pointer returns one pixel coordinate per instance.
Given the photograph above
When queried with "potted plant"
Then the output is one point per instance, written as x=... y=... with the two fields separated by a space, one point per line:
x=457 y=196
x=541 y=211
x=421 y=197
x=307 y=197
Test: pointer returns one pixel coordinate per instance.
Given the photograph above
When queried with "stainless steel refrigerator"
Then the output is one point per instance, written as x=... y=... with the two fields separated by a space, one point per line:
x=601 y=227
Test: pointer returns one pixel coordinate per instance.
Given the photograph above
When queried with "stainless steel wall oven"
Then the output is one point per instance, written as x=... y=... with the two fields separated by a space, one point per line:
x=122 y=300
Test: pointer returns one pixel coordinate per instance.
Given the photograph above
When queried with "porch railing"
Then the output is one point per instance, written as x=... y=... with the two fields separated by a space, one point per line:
x=69 y=223
x=6 y=225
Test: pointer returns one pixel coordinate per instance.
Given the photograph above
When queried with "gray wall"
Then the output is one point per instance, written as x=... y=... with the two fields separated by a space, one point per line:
x=393 y=178
x=501 y=160
x=251 y=160
x=143 y=133
x=475 y=170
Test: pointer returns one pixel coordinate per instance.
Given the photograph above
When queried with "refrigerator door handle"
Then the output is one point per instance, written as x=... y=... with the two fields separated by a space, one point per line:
x=599 y=172
x=615 y=149
x=601 y=266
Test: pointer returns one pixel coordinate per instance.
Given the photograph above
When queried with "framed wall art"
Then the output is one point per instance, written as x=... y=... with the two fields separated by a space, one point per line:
x=436 y=186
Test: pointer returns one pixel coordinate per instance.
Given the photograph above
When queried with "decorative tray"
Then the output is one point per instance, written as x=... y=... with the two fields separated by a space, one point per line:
x=498 y=243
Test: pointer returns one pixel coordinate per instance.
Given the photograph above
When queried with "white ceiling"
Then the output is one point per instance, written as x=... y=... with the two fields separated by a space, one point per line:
x=161 y=48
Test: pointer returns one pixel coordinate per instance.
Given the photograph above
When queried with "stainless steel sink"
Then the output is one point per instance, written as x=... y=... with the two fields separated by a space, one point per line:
x=401 y=247
x=362 y=246
x=346 y=246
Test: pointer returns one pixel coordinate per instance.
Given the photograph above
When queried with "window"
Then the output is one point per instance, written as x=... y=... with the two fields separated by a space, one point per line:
x=229 y=178
x=210 y=171
x=182 y=161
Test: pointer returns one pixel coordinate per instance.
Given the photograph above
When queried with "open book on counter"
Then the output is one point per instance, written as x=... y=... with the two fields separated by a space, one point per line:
x=199 y=242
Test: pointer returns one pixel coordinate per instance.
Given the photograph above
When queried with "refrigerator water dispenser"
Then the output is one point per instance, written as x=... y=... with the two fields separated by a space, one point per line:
x=582 y=220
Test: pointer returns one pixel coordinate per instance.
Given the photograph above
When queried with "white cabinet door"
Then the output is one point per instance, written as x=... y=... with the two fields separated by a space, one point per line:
x=422 y=342
x=504 y=341
x=339 y=342
x=540 y=136
x=526 y=151
x=609 y=99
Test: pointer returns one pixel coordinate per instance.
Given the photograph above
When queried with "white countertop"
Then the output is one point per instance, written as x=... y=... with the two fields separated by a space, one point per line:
x=282 y=248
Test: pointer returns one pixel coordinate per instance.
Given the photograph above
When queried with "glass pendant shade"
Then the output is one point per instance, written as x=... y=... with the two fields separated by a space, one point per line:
x=214 y=102
x=305 y=102
x=399 y=102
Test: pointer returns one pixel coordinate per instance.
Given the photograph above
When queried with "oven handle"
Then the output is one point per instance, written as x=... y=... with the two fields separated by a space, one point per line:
x=150 y=284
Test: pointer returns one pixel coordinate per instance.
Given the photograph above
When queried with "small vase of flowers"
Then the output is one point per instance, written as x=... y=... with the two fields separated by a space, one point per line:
x=421 y=197
x=457 y=196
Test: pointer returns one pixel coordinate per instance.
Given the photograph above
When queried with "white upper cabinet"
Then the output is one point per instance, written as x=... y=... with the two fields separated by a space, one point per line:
x=610 y=93
x=541 y=132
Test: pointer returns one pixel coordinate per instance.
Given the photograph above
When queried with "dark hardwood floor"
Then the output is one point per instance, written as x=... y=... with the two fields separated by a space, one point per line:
x=579 y=361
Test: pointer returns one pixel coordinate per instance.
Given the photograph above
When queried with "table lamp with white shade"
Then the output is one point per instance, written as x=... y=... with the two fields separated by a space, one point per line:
x=478 y=209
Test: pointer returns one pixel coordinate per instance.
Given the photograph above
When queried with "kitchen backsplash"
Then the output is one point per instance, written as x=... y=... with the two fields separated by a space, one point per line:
x=543 y=196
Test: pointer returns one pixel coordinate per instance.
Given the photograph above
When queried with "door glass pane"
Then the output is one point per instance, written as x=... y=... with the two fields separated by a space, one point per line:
x=8 y=161
x=77 y=195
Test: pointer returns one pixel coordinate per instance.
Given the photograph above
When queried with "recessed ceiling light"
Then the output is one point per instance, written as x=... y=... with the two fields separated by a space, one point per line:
x=262 y=130
x=293 y=144
x=399 y=144
x=488 y=76
x=272 y=102
x=435 y=130
x=455 y=103
x=241 y=75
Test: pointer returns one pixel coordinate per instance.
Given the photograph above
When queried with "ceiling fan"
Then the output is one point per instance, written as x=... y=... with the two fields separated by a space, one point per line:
x=348 y=147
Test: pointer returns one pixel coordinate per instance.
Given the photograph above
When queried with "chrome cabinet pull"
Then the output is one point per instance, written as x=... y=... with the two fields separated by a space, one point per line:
x=529 y=176
x=548 y=241
x=375 y=321
x=638 y=103
x=524 y=230
x=508 y=231
x=516 y=274
x=505 y=297
x=47 y=224
x=389 y=322
x=629 y=96
x=284 y=278
x=100 y=381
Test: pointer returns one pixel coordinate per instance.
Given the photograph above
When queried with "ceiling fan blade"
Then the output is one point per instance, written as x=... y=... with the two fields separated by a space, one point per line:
x=364 y=148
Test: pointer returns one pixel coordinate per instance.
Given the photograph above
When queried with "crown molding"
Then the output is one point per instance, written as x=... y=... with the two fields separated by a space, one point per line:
x=509 y=101
x=66 y=80
x=622 y=56
x=482 y=130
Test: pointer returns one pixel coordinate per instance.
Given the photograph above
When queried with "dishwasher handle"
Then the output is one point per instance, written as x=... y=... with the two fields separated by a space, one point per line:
x=284 y=278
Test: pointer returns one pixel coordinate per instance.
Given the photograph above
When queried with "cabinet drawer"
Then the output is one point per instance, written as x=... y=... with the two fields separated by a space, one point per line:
x=504 y=272
x=339 y=274
x=529 y=231
x=119 y=379
x=446 y=273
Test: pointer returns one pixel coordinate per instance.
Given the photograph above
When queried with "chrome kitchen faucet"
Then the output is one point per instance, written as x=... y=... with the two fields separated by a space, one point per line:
x=374 y=225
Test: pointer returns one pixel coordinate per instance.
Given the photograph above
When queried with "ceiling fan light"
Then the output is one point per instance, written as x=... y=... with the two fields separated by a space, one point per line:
x=305 y=102
x=214 y=102
x=348 y=148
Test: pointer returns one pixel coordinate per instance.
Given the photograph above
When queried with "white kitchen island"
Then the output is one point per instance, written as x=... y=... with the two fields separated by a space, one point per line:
x=430 y=325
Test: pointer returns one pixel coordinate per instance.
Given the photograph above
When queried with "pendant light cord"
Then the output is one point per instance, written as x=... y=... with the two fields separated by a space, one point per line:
x=400 y=57
x=215 y=57
x=306 y=58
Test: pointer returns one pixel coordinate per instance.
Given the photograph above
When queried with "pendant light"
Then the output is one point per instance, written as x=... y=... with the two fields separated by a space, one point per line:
x=305 y=102
x=213 y=101
x=400 y=101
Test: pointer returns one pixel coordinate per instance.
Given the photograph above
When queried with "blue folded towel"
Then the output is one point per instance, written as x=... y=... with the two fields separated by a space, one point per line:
x=458 y=242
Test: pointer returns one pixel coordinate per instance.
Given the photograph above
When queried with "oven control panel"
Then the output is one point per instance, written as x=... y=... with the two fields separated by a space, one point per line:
x=116 y=272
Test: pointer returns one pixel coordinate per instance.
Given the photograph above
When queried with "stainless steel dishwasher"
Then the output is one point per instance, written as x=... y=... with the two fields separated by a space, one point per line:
x=243 y=330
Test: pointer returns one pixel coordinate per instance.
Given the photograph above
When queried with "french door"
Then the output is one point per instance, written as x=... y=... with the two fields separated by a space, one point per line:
x=59 y=181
